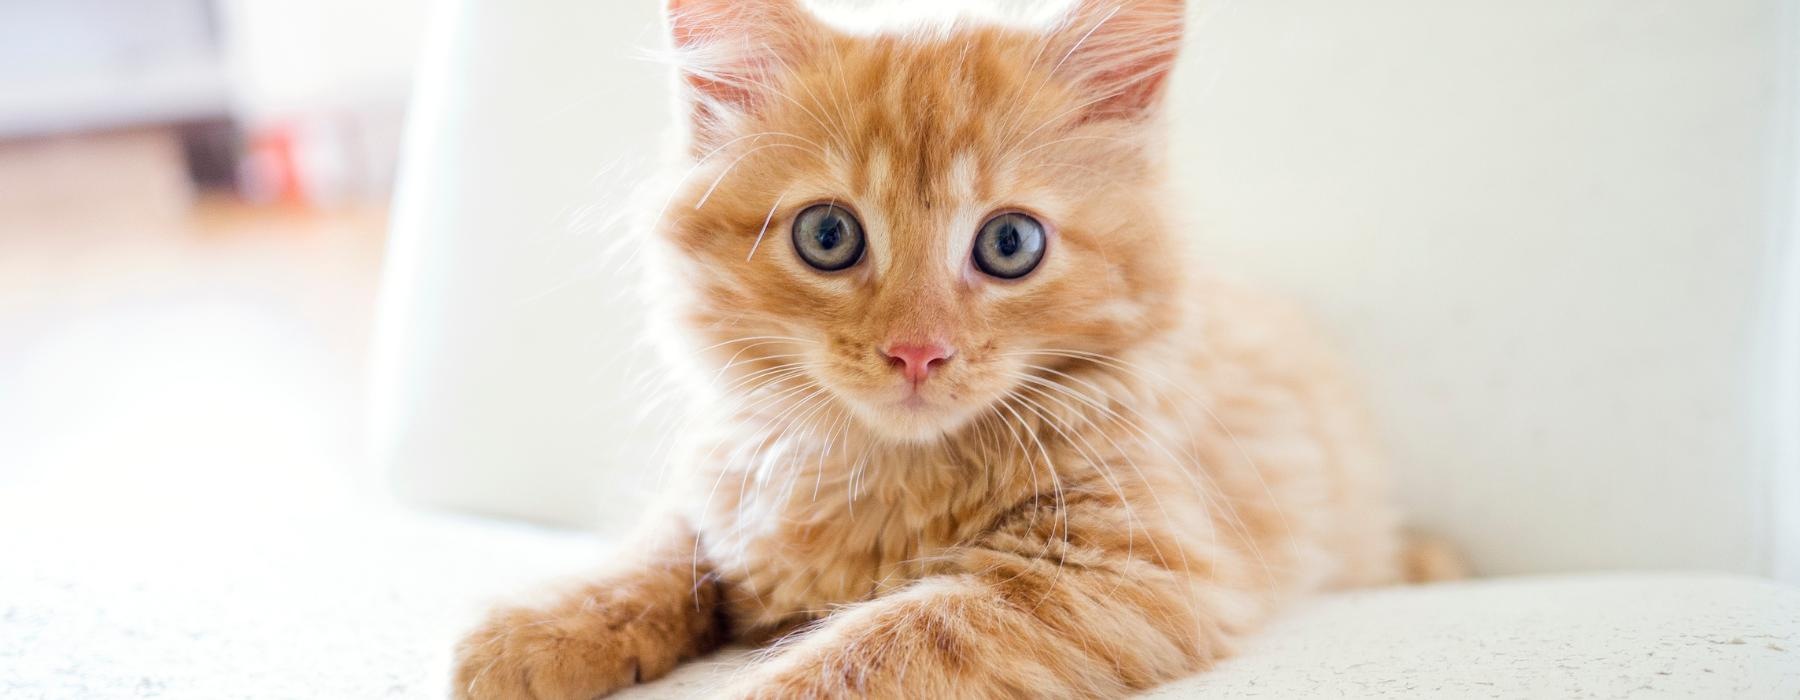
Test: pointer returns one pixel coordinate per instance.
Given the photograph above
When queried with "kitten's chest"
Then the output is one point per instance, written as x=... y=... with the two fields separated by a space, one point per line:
x=790 y=548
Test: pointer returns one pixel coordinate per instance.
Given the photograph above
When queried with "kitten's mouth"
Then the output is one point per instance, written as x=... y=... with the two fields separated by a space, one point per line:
x=911 y=413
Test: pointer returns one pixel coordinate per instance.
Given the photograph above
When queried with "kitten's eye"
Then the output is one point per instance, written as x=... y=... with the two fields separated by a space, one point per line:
x=1009 y=246
x=828 y=237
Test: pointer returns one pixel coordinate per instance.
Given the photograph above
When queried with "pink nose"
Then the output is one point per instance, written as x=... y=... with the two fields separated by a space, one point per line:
x=916 y=359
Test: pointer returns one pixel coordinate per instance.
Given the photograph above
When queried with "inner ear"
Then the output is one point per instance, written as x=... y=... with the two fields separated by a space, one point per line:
x=1120 y=53
x=727 y=53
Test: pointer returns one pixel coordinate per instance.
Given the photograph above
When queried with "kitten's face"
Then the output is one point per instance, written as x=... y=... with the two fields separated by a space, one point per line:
x=909 y=229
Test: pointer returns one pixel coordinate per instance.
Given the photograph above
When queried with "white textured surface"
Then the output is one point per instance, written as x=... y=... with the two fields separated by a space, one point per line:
x=255 y=602
x=1602 y=636
x=1588 y=636
x=146 y=595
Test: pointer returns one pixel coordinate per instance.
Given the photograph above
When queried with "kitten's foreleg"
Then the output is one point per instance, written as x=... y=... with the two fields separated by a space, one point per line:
x=626 y=627
x=1006 y=622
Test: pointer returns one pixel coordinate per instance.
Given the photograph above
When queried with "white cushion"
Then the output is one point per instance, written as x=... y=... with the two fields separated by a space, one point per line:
x=1572 y=636
x=1643 y=635
x=141 y=593
x=1541 y=231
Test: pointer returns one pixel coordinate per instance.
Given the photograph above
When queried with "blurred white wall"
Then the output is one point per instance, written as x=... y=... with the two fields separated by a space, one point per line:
x=320 y=54
x=1553 y=234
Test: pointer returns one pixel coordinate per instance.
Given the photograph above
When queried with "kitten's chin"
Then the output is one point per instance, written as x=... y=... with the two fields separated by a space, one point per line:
x=912 y=420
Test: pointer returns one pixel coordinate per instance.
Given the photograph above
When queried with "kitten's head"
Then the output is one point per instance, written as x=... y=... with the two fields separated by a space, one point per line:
x=907 y=228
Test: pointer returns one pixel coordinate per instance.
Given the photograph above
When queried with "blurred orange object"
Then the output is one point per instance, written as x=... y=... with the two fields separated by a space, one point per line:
x=270 y=172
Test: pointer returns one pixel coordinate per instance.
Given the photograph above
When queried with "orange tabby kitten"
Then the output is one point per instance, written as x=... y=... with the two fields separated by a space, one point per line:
x=971 y=425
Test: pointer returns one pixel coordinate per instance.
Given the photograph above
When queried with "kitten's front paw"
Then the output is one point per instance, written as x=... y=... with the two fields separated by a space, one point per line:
x=527 y=654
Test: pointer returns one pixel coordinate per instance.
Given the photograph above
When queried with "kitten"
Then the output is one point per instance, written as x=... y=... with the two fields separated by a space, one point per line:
x=970 y=425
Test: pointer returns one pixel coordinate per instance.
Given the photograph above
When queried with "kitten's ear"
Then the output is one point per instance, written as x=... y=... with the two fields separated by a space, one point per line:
x=1120 y=52
x=726 y=51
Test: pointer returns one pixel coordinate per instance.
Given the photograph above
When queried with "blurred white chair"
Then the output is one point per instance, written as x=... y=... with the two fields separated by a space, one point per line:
x=1558 y=238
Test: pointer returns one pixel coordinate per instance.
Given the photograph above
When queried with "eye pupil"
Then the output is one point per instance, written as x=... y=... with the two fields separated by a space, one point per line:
x=830 y=230
x=1008 y=243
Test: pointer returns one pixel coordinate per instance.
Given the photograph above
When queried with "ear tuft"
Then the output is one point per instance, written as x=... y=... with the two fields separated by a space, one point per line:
x=699 y=22
x=726 y=50
x=1120 y=52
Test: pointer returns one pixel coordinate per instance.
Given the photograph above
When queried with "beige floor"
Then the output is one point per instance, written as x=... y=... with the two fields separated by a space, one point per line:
x=141 y=325
x=184 y=510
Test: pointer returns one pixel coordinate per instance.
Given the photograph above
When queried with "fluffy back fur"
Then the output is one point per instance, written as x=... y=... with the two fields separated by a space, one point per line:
x=1114 y=467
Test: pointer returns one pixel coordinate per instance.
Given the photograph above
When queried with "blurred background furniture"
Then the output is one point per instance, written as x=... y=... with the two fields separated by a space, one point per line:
x=279 y=101
x=86 y=64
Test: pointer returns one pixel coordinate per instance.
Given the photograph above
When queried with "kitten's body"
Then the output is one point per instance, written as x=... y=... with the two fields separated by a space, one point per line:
x=1240 y=444
x=1114 y=467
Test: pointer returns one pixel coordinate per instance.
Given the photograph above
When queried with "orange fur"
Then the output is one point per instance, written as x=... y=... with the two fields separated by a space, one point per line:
x=1126 y=465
